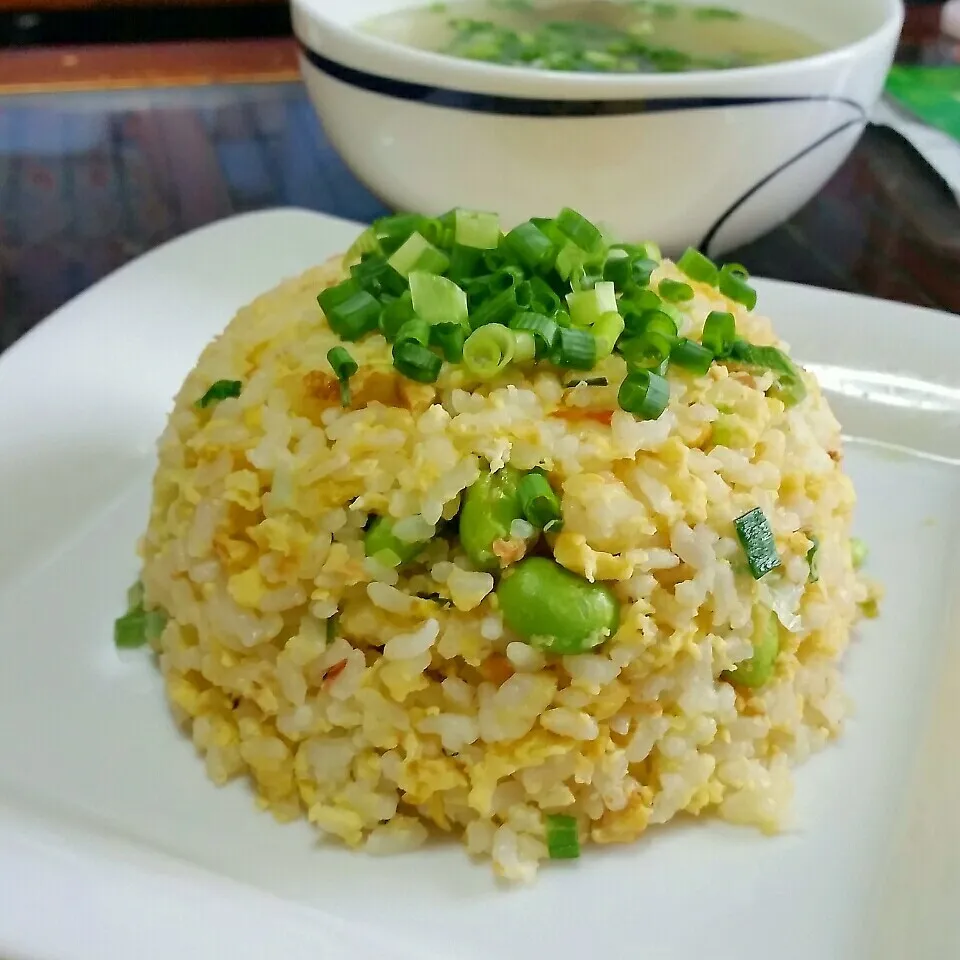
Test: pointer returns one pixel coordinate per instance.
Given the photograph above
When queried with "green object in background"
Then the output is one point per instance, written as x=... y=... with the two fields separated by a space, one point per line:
x=931 y=93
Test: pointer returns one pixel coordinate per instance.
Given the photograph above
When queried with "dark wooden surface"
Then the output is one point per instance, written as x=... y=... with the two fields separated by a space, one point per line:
x=90 y=180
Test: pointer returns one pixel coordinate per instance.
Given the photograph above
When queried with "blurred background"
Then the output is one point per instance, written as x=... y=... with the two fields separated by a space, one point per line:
x=126 y=123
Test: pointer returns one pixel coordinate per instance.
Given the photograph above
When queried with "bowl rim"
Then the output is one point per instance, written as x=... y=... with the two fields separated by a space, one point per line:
x=330 y=43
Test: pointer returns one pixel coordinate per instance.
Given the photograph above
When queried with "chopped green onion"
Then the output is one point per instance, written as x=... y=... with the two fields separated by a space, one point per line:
x=415 y=361
x=418 y=253
x=588 y=306
x=367 y=242
x=691 y=356
x=627 y=272
x=570 y=259
x=393 y=231
x=480 y=231
x=675 y=291
x=719 y=332
x=525 y=346
x=153 y=623
x=789 y=387
x=377 y=277
x=753 y=530
x=544 y=329
x=531 y=246
x=135 y=595
x=563 y=837
x=589 y=382
x=660 y=322
x=606 y=332
x=350 y=310
x=498 y=309
x=489 y=350
x=698 y=267
x=580 y=230
x=538 y=295
x=734 y=285
x=394 y=315
x=465 y=262
x=130 y=630
x=646 y=352
x=539 y=502
x=648 y=250
x=575 y=348
x=220 y=390
x=812 y=559
x=437 y=299
x=644 y=394
x=449 y=337
x=416 y=329
x=858 y=552
x=344 y=367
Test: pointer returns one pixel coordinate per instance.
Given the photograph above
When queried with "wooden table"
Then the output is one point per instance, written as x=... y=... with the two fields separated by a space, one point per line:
x=90 y=180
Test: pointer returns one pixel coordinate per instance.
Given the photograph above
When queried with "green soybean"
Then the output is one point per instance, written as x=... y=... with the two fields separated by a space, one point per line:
x=756 y=671
x=383 y=544
x=489 y=508
x=554 y=609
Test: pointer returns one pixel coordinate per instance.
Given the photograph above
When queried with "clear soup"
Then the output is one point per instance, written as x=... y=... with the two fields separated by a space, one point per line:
x=594 y=36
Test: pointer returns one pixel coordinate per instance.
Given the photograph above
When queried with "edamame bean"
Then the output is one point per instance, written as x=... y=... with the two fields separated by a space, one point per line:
x=489 y=508
x=756 y=671
x=381 y=543
x=554 y=609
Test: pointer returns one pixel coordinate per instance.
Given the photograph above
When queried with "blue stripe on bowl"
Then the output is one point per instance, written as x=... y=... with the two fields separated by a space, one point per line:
x=535 y=107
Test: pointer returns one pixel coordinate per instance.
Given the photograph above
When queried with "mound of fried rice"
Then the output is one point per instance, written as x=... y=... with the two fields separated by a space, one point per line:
x=387 y=706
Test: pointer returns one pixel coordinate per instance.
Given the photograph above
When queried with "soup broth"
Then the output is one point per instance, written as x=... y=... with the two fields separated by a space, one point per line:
x=594 y=36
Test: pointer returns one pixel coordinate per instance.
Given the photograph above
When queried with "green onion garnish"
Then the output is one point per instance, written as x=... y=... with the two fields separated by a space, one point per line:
x=531 y=246
x=719 y=333
x=497 y=309
x=563 y=837
x=449 y=337
x=588 y=382
x=627 y=272
x=698 y=267
x=571 y=260
x=539 y=502
x=644 y=394
x=606 y=332
x=220 y=390
x=489 y=350
x=789 y=387
x=691 y=356
x=138 y=625
x=394 y=315
x=753 y=530
x=418 y=253
x=575 y=348
x=415 y=329
x=733 y=284
x=858 y=552
x=350 y=310
x=659 y=322
x=544 y=329
x=646 y=352
x=588 y=306
x=480 y=231
x=415 y=361
x=377 y=277
x=812 y=561
x=580 y=230
x=675 y=291
x=344 y=367
x=437 y=299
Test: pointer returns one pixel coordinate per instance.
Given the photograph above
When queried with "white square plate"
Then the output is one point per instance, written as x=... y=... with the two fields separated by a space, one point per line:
x=114 y=845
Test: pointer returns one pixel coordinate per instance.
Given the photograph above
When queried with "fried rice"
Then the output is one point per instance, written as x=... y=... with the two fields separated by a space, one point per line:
x=386 y=704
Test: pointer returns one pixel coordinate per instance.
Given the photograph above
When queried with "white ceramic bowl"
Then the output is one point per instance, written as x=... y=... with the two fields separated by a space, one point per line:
x=710 y=159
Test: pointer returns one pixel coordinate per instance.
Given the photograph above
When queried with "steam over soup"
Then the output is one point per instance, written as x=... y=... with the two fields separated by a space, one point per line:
x=595 y=36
